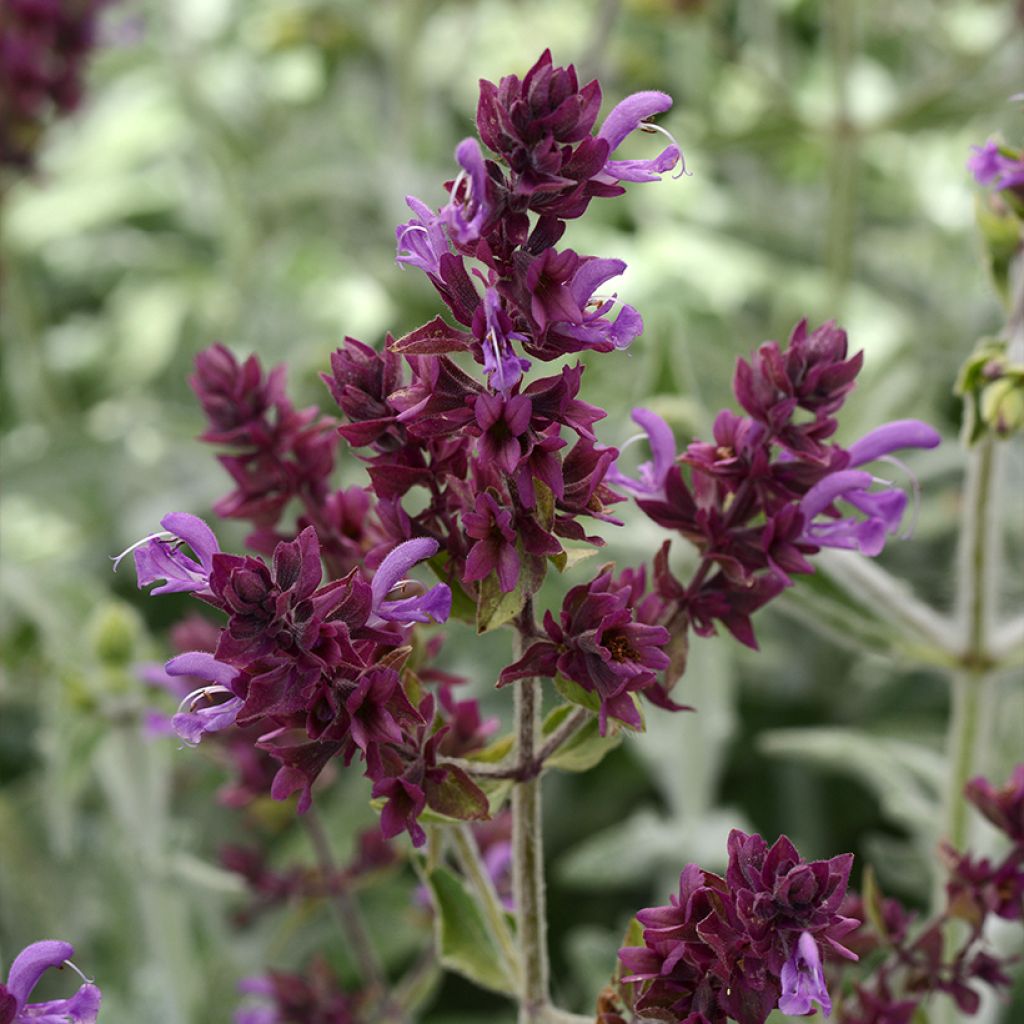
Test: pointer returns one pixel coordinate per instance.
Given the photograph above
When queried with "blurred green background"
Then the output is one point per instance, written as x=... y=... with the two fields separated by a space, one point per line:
x=235 y=175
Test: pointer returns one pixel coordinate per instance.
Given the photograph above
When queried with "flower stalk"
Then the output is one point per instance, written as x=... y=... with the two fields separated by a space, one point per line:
x=528 y=847
x=468 y=854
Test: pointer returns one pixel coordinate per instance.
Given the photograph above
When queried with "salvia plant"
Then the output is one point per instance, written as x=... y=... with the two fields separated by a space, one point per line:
x=485 y=475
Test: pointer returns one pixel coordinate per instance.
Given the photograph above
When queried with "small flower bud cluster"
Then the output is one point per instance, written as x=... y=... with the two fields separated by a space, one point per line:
x=920 y=963
x=44 y=47
x=738 y=947
x=314 y=997
x=318 y=668
x=770 y=489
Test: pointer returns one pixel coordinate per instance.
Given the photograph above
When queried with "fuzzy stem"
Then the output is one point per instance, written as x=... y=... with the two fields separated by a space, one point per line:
x=468 y=854
x=528 y=847
x=350 y=919
x=972 y=685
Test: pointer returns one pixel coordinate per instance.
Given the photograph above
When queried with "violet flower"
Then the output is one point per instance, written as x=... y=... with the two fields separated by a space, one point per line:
x=882 y=509
x=650 y=480
x=158 y=558
x=421 y=242
x=627 y=117
x=803 y=980
x=991 y=166
x=493 y=326
x=433 y=605
x=467 y=215
x=193 y=724
x=28 y=967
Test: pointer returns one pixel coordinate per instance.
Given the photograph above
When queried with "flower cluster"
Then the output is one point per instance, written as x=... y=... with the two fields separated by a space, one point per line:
x=317 y=667
x=278 y=456
x=740 y=946
x=44 y=47
x=931 y=959
x=28 y=967
x=770 y=489
x=314 y=997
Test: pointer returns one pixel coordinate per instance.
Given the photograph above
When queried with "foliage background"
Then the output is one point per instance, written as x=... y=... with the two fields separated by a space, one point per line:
x=236 y=175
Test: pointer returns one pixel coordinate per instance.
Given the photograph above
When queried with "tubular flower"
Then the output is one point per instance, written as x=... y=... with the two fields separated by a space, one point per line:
x=28 y=967
x=158 y=557
x=803 y=980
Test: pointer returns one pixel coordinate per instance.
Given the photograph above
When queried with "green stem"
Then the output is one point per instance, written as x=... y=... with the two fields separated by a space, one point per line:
x=972 y=684
x=468 y=854
x=528 y=850
x=351 y=921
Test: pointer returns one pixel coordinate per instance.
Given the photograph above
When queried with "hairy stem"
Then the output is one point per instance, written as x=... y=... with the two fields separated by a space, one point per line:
x=350 y=919
x=528 y=848
x=468 y=854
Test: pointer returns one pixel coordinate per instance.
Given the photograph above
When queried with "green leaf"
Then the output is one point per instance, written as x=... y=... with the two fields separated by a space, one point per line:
x=569 y=557
x=575 y=694
x=495 y=608
x=585 y=748
x=906 y=777
x=872 y=896
x=463 y=938
x=457 y=796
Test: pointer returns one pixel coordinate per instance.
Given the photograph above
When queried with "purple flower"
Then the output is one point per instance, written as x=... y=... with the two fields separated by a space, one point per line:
x=467 y=210
x=991 y=166
x=28 y=967
x=803 y=980
x=433 y=605
x=882 y=509
x=598 y=644
x=191 y=725
x=421 y=242
x=650 y=481
x=493 y=326
x=490 y=526
x=624 y=119
x=1004 y=807
x=157 y=558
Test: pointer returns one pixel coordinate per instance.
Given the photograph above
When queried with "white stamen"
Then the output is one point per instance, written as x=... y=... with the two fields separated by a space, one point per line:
x=159 y=535
x=68 y=963
x=203 y=692
x=650 y=126
x=915 y=489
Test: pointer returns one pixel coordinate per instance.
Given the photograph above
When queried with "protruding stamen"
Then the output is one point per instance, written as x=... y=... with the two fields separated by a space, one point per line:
x=159 y=535
x=650 y=126
x=204 y=692
x=915 y=489
x=68 y=963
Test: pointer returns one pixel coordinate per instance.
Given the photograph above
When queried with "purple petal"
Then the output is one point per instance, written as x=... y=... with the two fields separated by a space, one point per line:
x=204 y=665
x=397 y=565
x=433 y=606
x=191 y=529
x=835 y=485
x=626 y=116
x=803 y=980
x=82 y=1008
x=891 y=436
x=192 y=725
x=32 y=962
x=591 y=275
x=643 y=170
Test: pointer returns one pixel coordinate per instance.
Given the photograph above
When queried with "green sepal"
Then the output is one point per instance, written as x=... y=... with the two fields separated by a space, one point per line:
x=457 y=796
x=463 y=939
x=494 y=608
x=585 y=748
x=568 y=557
